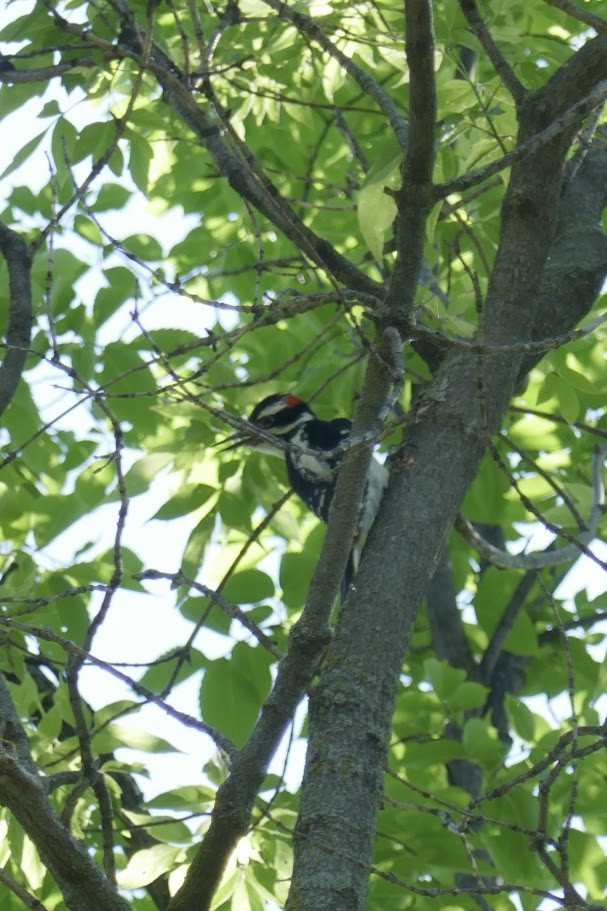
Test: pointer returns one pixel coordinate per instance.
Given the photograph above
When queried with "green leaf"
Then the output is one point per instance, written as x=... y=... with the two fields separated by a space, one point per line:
x=139 y=161
x=94 y=139
x=23 y=154
x=87 y=228
x=158 y=676
x=493 y=590
x=147 y=865
x=249 y=587
x=197 y=798
x=481 y=743
x=521 y=717
x=376 y=209
x=122 y=285
x=186 y=500
x=511 y=854
x=233 y=689
x=467 y=696
x=295 y=576
x=195 y=548
x=444 y=679
x=144 y=246
x=119 y=735
x=111 y=196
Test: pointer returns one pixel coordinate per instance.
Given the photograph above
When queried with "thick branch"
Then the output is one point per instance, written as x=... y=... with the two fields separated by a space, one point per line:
x=18 y=333
x=578 y=12
x=308 y=639
x=414 y=199
x=446 y=441
x=82 y=883
x=575 y=271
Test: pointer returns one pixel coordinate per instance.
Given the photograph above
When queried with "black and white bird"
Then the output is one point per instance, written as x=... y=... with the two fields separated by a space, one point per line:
x=311 y=470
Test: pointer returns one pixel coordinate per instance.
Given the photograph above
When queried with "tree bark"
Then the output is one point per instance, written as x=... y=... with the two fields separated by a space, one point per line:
x=351 y=713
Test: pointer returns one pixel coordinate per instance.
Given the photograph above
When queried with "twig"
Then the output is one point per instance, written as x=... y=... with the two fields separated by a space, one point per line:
x=504 y=560
x=485 y=39
x=578 y=12
x=306 y=25
x=71 y=648
x=573 y=114
x=29 y=900
x=230 y=609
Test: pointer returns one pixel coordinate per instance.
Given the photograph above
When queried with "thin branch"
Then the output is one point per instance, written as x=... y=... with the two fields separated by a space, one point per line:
x=559 y=419
x=504 y=625
x=577 y=111
x=71 y=648
x=547 y=477
x=202 y=619
x=578 y=12
x=441 y=340
x=230 y=609
x=29 y=900
x=485 y=39
x=307 y=26
x=504 y=560
x=43 y=73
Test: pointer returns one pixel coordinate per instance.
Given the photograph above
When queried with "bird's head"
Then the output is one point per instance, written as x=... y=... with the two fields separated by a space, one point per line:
x=279 y=415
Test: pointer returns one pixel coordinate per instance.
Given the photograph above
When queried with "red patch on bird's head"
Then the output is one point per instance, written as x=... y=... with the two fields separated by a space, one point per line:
x=292 y=401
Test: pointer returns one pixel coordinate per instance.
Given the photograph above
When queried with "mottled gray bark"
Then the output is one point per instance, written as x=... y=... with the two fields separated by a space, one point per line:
x=351 y=713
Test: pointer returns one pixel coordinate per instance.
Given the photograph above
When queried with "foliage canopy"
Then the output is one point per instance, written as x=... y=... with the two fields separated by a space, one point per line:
x=210 y=202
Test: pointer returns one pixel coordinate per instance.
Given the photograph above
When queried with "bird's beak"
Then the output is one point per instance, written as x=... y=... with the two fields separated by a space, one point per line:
x=233 y=441
x=242 y=438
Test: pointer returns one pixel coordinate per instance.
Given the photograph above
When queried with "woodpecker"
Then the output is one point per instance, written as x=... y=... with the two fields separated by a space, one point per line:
x=313 y=474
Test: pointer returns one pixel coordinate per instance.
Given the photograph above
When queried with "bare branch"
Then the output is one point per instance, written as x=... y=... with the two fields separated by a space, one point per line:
x=578 y=12
x=414 y=199
x=30 y=901
x=82 y=883
x=482 y=33
x=306 y=25
x=504 y=560
x=577 y=111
